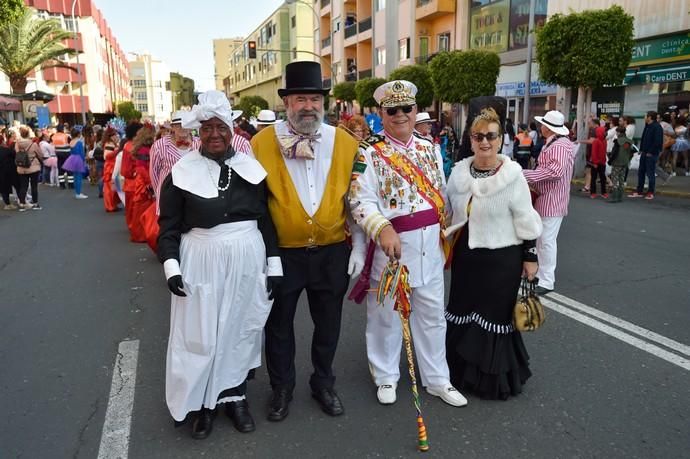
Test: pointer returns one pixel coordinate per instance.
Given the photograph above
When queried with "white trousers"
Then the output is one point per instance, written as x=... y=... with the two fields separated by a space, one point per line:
x=428 y=326
x=547 y=249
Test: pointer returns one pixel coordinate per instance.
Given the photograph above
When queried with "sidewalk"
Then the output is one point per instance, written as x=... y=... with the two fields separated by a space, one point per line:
x=678 y=186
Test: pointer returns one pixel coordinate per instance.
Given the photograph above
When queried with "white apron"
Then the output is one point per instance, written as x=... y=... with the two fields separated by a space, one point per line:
x=216 y=330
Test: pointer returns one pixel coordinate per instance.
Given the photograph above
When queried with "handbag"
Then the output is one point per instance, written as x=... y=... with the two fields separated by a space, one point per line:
x=528 y=314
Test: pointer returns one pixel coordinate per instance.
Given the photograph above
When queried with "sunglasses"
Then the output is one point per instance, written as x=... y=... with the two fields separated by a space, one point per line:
x=479 y=137
x=393 y=110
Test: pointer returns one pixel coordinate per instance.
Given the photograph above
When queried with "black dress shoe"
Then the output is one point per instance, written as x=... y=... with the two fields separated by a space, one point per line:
x=278 y=409
x=329 y=401
x=542 y=290
x=241 y=418
x=203 y=424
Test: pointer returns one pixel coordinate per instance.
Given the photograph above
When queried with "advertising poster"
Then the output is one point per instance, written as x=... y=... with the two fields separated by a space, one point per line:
x=519 y=21
x=489 y=26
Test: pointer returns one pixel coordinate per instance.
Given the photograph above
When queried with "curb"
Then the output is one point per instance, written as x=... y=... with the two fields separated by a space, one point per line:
x=659 y=191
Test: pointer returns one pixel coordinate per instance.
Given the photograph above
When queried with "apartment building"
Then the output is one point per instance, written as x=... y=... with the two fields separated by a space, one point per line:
x=222 y=51
x=284 y=36
x=150 y=82
x=104 y=71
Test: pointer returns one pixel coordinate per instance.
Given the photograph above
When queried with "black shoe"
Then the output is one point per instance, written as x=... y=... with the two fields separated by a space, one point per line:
x=241 y=418
x=278 y=409
x=329 y=401
x=542 y=290
x=203 y=424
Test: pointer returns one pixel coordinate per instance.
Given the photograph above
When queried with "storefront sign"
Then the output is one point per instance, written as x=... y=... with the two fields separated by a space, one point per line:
x=489 y=27
x=517 y=89
x=609 y=109
x=519 y=21
x=666 y=74
x=659 y=50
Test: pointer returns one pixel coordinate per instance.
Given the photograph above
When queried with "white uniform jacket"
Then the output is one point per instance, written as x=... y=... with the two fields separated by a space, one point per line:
x=378 y=194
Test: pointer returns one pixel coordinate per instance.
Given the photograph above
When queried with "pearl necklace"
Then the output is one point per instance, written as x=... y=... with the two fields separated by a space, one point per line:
x=210 y=174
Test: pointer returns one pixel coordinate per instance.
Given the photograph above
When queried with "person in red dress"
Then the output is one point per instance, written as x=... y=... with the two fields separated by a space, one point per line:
x=141 y=193
x=110 y=141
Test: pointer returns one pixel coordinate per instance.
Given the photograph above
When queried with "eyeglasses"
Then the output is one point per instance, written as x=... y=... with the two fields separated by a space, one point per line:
x=479 y=137
x=393 y=110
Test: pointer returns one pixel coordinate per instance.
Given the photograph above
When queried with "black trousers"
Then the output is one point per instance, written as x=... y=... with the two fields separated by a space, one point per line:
x=598 y=170
x=7 y=182
x=322 y=272
x=24 y=180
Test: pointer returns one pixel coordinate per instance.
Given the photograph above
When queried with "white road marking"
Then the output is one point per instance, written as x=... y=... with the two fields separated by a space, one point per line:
x=616 y=333
x=624 y=324
x=118 y=416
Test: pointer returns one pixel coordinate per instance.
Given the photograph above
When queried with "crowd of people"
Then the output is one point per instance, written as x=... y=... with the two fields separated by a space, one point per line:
x=244 y=222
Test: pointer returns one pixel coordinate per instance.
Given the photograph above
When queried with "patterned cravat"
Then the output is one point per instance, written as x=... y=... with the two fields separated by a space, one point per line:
x=297 y=146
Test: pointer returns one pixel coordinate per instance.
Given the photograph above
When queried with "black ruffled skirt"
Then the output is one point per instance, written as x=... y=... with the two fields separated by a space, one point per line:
x=485 y=354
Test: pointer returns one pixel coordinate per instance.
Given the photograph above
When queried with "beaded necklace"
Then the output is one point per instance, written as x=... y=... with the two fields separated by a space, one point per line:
x=210 y=174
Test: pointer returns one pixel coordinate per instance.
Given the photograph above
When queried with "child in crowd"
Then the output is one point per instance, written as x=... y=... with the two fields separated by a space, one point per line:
x=598 y=163
x=619 y=160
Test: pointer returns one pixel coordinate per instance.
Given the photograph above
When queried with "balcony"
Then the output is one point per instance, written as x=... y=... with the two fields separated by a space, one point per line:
x=325 y=3
x=364 y=25
x=351 y=76
x=326 y=82
x=423 y=60
x=365 y=74
x=430 y=9
x=351 y=30
x=64 y=103
x=64 y=75
x=326 y=42
x=75 y=43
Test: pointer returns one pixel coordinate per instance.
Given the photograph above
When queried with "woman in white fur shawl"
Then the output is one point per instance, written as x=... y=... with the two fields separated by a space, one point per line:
x=495 y=228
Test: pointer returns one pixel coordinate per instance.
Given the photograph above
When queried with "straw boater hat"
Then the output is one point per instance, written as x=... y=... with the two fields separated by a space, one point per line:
x=266 y=117
x=554 y=121
x=396 y=94
x=423 y=117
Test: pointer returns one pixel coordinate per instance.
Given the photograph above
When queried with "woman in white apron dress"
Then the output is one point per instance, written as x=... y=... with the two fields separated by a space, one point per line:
x=220 y=254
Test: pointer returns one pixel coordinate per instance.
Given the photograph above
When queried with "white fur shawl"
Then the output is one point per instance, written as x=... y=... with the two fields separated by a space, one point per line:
x=501 y=212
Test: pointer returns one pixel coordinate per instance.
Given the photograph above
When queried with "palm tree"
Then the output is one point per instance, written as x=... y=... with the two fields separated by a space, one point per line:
x=29 y=43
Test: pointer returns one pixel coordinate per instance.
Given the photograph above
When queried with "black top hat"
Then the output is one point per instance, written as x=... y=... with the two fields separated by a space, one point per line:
x=303 y=77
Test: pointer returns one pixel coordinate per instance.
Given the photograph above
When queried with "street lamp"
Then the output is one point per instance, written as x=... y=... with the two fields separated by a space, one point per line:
x=81 y=81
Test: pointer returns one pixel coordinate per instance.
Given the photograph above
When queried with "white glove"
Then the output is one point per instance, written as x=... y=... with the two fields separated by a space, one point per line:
x=356 y=263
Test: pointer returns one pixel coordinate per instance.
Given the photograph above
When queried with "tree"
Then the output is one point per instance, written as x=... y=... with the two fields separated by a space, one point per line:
x=127 y=112
x=29 y=43
x=573 y=53
x=365 y=88
x=421 y=77
x=252 y=105
x=10 y=10
x=345 y=91
x=458 y=76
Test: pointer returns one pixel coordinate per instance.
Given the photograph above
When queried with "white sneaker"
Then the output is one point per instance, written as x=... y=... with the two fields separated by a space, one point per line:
x=448 y=394
x=386 y=394
x=80 y=196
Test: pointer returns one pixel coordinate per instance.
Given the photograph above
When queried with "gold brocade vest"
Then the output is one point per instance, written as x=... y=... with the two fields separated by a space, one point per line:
x=293 y=224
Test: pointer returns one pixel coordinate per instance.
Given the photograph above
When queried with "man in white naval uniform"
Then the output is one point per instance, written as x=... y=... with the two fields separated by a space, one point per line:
x=397 y=197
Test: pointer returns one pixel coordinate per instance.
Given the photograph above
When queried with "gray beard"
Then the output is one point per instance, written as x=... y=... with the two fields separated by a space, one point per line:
x=305 y=126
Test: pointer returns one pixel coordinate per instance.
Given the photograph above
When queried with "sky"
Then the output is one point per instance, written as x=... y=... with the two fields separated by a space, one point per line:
x=181 y=33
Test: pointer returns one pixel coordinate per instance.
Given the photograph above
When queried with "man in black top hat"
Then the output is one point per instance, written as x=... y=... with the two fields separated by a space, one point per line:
x=309 y=164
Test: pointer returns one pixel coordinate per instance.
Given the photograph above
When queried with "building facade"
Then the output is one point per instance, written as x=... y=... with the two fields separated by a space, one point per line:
x=286 y=35
x=182 y=91
x=104 y=72
x=150 y=83
x=222 y=50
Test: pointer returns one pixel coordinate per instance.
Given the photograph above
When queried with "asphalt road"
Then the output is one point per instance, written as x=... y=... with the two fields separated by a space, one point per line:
x=72 y=288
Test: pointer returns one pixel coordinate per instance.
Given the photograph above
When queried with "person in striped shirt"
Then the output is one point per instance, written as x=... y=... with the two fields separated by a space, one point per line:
x=551 y=182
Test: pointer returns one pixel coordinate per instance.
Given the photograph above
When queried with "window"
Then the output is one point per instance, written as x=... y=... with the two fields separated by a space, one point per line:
x=69 y=24
x=138 y=83
x=403 y=49
x=293 y=22
x=140 y=96
x=379 y=5
x=380 y=56
x=444 y=42
x=294 y=53
x=336 y=25
x=142 y=107
x=159 y=108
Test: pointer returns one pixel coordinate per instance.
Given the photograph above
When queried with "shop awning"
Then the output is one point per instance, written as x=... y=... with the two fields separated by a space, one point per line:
x=9 y=104
x=658 y=74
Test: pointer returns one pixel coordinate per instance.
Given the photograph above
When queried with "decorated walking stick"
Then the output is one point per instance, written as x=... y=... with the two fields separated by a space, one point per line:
x=395 y=284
